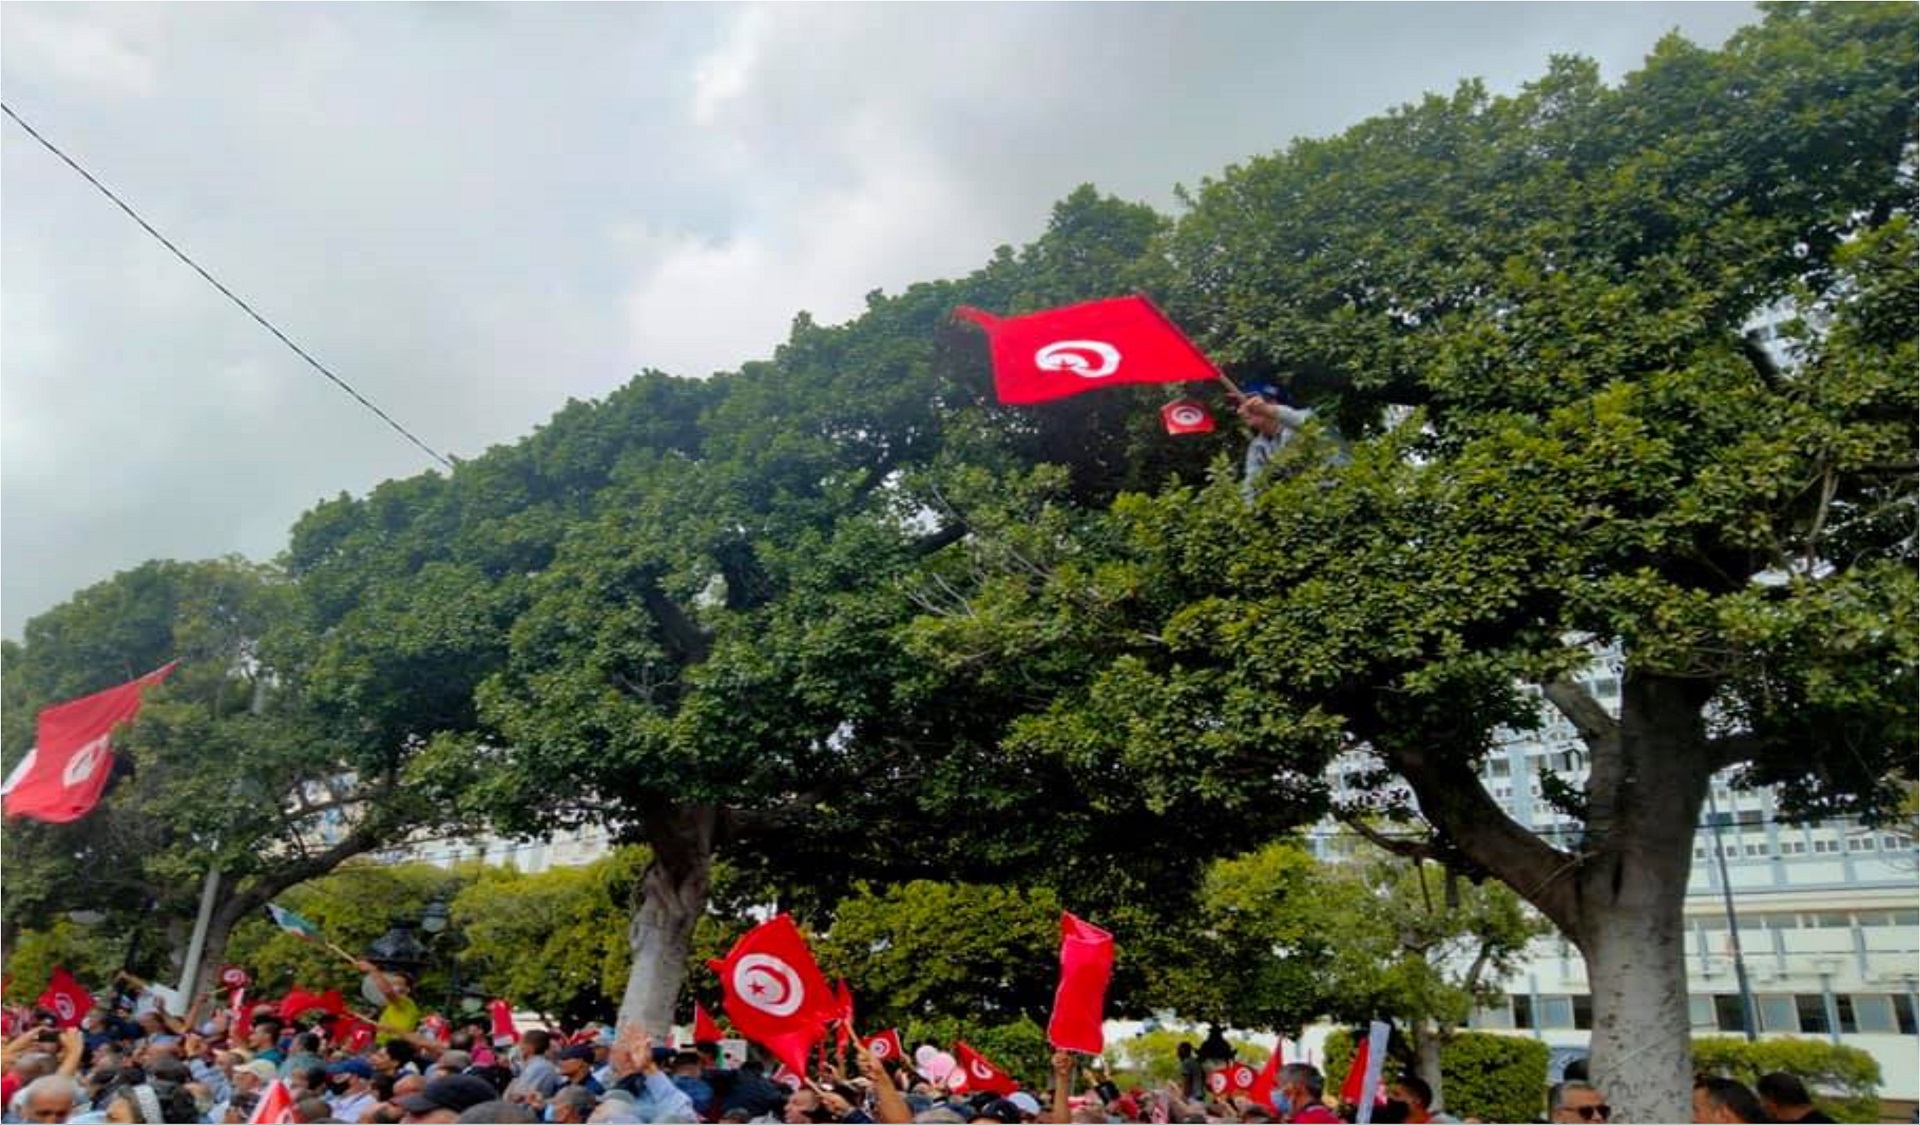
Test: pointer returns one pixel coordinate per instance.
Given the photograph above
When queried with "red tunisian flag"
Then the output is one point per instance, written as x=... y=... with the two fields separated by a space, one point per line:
x=1186 y=416
x=1086 y=964
x=775 y=994
x=66 y=999
x=276 y=1106
x=973 y=1072
x=1262 y=1090
x=705 y=1030
x=885 y=1045
x=1065 y=351
x=73 y=754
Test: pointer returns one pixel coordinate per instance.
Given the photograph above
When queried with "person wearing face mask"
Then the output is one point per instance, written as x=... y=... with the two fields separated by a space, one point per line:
x=1298 y=1089
x=350 y=1089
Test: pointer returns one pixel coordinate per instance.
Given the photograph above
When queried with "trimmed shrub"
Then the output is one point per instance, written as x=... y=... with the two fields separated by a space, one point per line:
x=1492 y=1077
x=1844 y=1081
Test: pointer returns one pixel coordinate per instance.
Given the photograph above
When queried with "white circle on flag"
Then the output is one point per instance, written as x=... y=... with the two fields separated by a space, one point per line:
x=63 y=1006
x=765 y=982
x=1089 y=359
x=1188 y=415
x=1217 y=1081
x=85 y=762
x=980 y=1069
x=881 y=1048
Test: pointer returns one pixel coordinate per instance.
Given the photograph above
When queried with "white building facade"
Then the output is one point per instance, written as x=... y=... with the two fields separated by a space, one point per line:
x=1828 y=916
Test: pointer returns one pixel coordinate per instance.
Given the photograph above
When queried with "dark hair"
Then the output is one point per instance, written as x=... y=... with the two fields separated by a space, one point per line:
x=309 y=1043
x=1417 y=1086
x=1732 y=1096
x=400 y=1051
x=1782 y=1088
x=383 y=1085
x=1575 y=1071
x=312 y=1108
x=314 y=1077
x=500 y=1113
x=537 y=1039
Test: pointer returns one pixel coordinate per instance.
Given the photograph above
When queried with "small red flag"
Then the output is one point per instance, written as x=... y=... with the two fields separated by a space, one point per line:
x=705 y=1030
x=1086 y=964
x=1065 y=351
x=885 y=1045
x=502 y=1014
x=239 y=1019
x=66 y=999
x=276 y=1106
x=73 y=753
x=843 y=1018
x=1262 y=1090
x=299 y=1001
x=1186 y=416
x=774 y=992
x=1351 y=1086
x=975 y=1072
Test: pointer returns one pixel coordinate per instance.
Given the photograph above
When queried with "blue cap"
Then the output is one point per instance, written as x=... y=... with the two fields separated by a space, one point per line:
x=360 y=1067
x=1265 y=390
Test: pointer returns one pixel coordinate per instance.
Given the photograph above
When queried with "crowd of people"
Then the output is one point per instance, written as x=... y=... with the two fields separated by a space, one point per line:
x=133 y=1063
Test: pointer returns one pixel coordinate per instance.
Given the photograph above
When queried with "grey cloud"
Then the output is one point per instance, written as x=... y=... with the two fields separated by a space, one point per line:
x=475 y=211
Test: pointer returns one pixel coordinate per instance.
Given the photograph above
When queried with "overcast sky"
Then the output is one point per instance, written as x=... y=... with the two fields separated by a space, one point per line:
x=473 y=212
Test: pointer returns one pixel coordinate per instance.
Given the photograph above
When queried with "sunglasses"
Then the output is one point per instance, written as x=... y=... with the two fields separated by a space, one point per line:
x=1593 y=1112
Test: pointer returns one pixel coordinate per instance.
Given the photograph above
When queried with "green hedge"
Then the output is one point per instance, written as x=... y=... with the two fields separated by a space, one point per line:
x=1491 y=1077
x=1845 y=1081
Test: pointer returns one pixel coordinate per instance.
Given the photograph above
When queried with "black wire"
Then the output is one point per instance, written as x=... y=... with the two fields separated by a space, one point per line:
x=211 y=280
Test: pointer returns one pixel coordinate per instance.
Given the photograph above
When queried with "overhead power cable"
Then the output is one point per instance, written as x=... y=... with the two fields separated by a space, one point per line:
x=213 y=281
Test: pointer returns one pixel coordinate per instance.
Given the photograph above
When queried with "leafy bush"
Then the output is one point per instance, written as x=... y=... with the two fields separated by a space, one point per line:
x=1844 y=1080
x=1491 y=1077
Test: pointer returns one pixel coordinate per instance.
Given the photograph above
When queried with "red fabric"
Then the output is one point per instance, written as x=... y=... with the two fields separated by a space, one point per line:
x=502 y=1013
x=775 y=994
x=276 y=1106
x=977 y=1073
x=66 y=998
x=1317 y=1114
x=1355 y=1081
x=73 y=753
x=1186 y=416
x=886 y=1045
x=1240 y=1079
x=843 y=1018
x=705 y=1030
x=1065 y=351
x=9 y=1086
x=299 y=1001
x=1262 y=1090
x=1086 y=964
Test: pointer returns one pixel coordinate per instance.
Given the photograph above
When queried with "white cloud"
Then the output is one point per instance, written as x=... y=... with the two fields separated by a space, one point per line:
x=67 y=46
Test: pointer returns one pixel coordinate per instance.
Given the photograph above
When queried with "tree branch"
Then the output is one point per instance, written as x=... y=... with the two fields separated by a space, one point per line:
x=1596 y=728
x=694 y=643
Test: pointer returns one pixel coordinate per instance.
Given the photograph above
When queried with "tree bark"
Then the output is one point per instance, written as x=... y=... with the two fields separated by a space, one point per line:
x=1426 y=1059
x=1632 y=887
x=1618 y=895
x=673 y=895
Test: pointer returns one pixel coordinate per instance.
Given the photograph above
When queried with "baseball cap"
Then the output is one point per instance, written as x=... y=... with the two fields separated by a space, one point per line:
x=581 y=1051
x=1026 y=1102
x=456 y=1092
x=358 y=1067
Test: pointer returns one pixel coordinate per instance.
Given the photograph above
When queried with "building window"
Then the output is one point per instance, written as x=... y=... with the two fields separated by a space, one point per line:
x=1700 y=1012
x=1556 y=1011
x=1793 y=847
x=1727 y=1012
x=1813 y=1013
x=1903 y=1013
x=1778 y=1012
x=1500 y=1017
x=1859 y=843
x=1759 y=849
x=1849 y=1019
x=1523 y=1012
x=1825 y=846
x=1583 y=1011
x=1872 y=1014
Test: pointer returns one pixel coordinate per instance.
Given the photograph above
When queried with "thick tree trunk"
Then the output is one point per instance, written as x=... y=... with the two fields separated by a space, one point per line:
x=1426 y=1059
x=1620 y=894
x=673 y=895
x=1633 y=889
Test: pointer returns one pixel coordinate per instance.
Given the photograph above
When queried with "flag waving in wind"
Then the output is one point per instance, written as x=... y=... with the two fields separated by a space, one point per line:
x=1086 y=963
x=292 y=923
x=66 y=998
x=775 y=994
x=705 y=1030
x=973 y=1073
x=1066 y=351
x=63 y=776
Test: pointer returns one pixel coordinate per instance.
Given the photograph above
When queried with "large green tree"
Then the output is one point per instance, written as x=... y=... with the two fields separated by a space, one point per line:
x=1554 y=286
x=228 y=769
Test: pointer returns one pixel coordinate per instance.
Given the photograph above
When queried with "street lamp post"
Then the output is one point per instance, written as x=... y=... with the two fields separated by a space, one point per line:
x=1733 y=922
